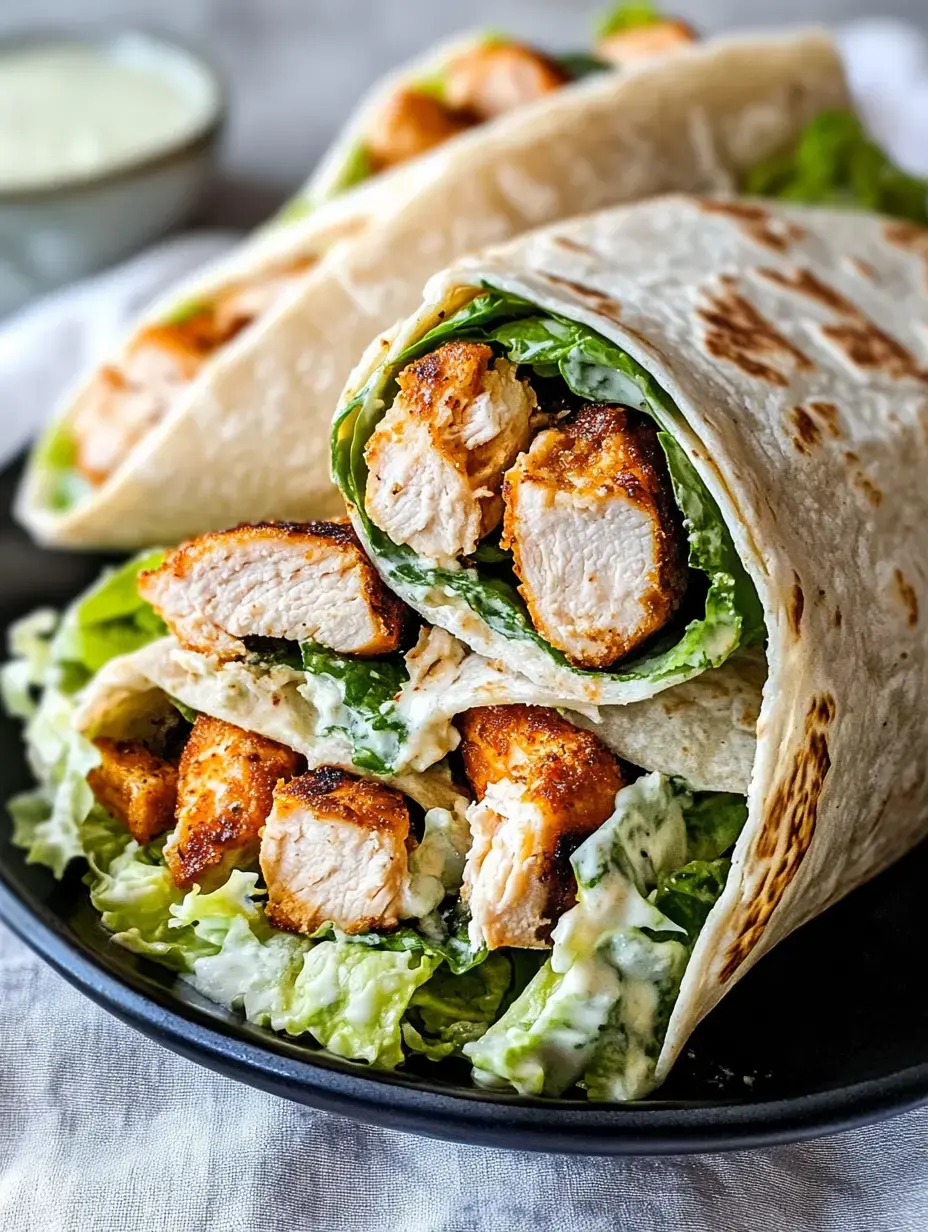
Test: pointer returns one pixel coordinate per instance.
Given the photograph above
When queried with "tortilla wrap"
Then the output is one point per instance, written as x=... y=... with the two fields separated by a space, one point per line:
x=244 y=440
x=792 y=345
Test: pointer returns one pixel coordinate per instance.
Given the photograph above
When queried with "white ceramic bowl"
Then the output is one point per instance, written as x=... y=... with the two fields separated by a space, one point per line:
x=68 y=229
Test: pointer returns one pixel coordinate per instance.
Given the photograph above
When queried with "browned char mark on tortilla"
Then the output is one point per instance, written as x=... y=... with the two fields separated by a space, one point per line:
x=911 y=237
x=743 y=336
x=871 y=491
x=797 y=603
x=597 y=300
x=564 y=241
x=756 y=223
x=860 y=339
x=787 y=831
x=812 y=422
x=908 y=596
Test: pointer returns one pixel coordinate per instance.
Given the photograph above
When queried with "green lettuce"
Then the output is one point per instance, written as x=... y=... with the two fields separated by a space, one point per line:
x=835 y=162
x=629 y=16
x=108 y=620
x=367 y=715
x=597 y=1012
x=453 y=1010
x=595 y=370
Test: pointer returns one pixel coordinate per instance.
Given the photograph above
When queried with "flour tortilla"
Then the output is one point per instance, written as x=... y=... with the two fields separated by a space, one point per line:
x=703 y=732
x=247 y=440
x=795 y=345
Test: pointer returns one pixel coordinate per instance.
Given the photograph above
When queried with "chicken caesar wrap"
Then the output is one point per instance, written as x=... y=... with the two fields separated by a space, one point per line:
x=623 y=451
x=215 y=408
x=337 y=819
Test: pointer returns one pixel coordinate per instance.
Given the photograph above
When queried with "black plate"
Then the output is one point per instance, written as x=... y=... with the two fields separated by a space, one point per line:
x=829 y=1031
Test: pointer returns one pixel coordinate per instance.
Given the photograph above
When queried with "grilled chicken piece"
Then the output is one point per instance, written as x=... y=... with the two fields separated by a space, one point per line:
x=303 y=582
x=335 y=848
x=224 y=793
x=134 y=786
x=596 y=537
x=494 y=78
x=410 y=124
x=437 y=457
x=639 y=44
x=542 y=786
x=126 y=400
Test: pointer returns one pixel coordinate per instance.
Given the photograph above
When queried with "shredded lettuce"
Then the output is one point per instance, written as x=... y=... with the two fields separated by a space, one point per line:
x=596 y=370
x=453 y=1010
x=597 y=1012
x=835 y=162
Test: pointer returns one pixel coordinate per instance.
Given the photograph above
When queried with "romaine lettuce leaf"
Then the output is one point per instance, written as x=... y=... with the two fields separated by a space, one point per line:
x=451 y=1010
x=628 y=16
x=367 y=713
x=596 y=370
x=109 y=619
x=835 y=162
x=29 y=644
x=597 y=1012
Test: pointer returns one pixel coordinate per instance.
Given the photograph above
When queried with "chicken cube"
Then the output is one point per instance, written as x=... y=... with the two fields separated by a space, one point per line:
x=542 y=785
x=597 y=540
x=436 y=459
x=640 y=44
x=303 y=582
x=335 y=849
x=409 y=124
x=126 y=400
x=224 y=794
x=496 y=77
x=135 y=786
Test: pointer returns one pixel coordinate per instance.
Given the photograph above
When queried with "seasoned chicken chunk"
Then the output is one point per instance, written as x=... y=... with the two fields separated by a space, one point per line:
x=410 y=124
x=224 y=793
x=127 y=399
x=437 y=457
x=494 y=78
x=335 y=849
x=542 y=786
x=639 y=44
x=597 y=540
x=303 y=582
x=134 y=786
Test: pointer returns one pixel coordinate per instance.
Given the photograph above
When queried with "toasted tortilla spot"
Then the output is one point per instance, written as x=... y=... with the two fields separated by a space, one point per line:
x=863 y=268
x=758 y=226
x=837 y=618
x=808 y=435
x=908 y=596
x=868 y=346
x=564 y=241
x=743 y=336
x=597 y=300
x=796 y=606
x=804 y=282
x=787 y=831
x=829 y=415
x=859 y=338
x=911 y=237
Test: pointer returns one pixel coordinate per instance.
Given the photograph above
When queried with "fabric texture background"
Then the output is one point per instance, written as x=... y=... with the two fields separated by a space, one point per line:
x=103 y=1131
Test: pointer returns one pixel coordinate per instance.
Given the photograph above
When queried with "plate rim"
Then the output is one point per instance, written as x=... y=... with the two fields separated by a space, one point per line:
x=390 y=1101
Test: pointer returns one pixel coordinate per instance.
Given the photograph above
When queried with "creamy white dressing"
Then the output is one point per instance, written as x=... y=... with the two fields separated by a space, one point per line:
x=71 y=111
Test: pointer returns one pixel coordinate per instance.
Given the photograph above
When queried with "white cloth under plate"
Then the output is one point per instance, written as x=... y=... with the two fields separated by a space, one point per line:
x=103 y=1131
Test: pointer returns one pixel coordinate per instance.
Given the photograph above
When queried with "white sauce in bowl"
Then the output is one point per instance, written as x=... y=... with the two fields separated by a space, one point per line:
x=76 y=111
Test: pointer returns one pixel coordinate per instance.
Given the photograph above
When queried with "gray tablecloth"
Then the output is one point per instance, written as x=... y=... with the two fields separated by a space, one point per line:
x=103 y=1131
